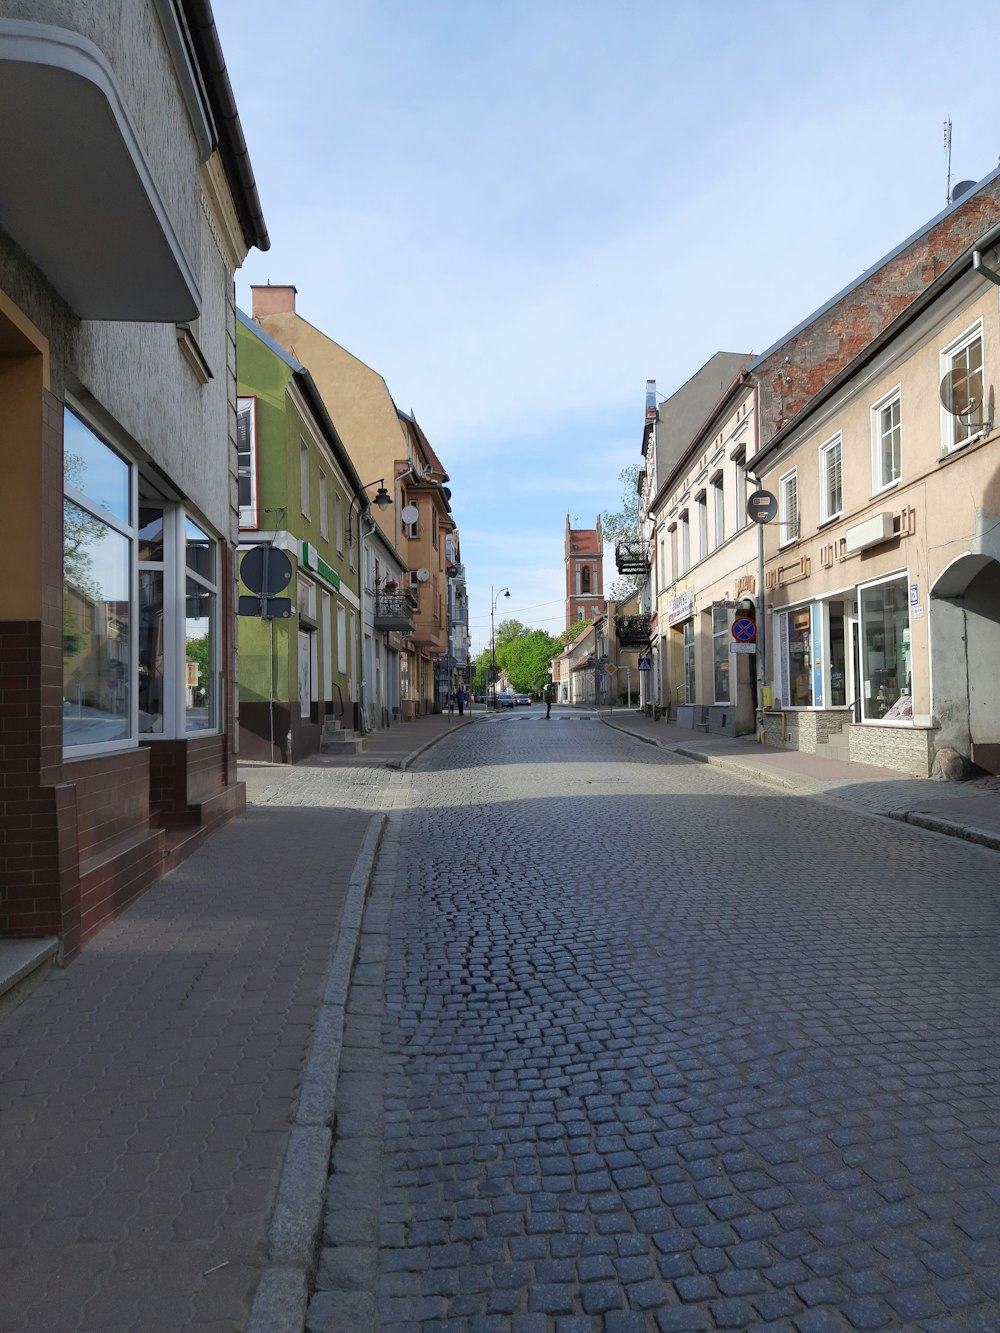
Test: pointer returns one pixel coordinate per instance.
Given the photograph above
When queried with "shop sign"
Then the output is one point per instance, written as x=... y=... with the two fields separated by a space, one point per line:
x=746 y=583
x=681 y=607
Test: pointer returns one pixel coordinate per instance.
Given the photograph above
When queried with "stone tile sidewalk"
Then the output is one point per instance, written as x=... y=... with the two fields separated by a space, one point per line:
x=149 y=1092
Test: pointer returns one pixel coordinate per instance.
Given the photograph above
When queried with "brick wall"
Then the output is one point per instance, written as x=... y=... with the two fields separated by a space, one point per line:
x=802 y=365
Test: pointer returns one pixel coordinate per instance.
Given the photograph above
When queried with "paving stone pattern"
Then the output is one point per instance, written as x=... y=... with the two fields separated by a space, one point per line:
x=635 y=1044
x=145 y=1091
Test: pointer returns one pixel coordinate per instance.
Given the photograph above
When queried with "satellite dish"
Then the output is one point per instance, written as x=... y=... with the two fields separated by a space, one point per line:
x=423 y=575
x=963 y=187
x=410 y=514
x=960 y=395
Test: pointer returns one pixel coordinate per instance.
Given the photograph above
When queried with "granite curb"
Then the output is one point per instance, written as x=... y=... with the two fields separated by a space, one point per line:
x=952 y=828
x=932 y=823
x=281 y=1298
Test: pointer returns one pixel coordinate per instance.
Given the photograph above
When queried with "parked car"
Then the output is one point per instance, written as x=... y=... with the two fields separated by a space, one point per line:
x=523 y=700
x=505 y=700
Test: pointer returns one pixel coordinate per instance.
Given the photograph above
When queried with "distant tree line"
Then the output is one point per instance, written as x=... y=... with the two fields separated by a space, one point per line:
x=525 y=654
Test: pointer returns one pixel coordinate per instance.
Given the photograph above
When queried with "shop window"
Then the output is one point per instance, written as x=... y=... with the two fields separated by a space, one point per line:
x=721 y=638
x=201 y=704
x=795 y=658
x=962 y=368
x=140 y=655
x=831 y=479
x=887 y=441
x=246 y=460
x=98 y=546
x=689 y=662
x=839 y=647
x=885 y=650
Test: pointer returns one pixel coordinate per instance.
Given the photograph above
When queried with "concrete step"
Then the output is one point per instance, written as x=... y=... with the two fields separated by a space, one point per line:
x=23 y=964
x=344 y=742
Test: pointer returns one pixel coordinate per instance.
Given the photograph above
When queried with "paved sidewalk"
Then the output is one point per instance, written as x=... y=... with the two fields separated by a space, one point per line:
x=967 y=810
x=153 y=1095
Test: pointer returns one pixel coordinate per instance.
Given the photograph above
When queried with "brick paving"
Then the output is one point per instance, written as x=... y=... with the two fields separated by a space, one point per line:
x=634 y=1044
x=145 y=1091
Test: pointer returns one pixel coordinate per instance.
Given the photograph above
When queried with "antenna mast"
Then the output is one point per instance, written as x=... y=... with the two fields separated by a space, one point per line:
x=947 y=156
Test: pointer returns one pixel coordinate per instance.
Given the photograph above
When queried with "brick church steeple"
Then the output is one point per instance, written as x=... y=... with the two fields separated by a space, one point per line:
x=584 y=573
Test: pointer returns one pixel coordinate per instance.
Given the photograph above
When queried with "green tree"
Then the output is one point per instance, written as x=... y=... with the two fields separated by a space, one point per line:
x=624 y=525
x=570 y=634
x=530 y=659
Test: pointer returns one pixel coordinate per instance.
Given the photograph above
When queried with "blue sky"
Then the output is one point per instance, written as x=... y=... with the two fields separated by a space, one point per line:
x=518 y=210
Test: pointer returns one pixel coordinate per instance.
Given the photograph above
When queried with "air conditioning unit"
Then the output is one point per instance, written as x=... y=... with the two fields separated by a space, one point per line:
x=878 y=528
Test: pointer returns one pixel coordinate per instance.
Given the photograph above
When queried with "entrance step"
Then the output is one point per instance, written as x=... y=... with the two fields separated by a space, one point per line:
x=335 y=739
x=23 y=964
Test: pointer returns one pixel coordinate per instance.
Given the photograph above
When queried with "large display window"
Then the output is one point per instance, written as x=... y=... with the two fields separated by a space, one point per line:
x=885 y=650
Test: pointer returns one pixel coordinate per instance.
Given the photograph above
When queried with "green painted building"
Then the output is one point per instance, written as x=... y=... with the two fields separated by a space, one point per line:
x=298 y=661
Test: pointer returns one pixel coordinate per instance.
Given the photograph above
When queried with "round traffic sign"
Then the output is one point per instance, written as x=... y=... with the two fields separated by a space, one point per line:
x=762 y=506
x=266 y=570
x=744 y=629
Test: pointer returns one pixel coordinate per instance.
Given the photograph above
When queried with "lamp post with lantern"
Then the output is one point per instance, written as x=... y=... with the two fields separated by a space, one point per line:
x=501 y=592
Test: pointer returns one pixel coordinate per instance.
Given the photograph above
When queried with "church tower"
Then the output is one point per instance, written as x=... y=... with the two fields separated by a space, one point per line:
x=584 y=573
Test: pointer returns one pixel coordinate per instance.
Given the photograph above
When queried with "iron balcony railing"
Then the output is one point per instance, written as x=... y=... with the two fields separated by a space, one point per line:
x=633 y=631
x=394 y=611
x=632 y=555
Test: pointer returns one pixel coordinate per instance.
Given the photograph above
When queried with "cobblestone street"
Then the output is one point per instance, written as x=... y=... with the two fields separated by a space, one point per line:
x=635 y=1044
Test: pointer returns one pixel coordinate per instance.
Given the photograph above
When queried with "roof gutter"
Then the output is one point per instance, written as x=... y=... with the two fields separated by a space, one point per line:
x=232 y=145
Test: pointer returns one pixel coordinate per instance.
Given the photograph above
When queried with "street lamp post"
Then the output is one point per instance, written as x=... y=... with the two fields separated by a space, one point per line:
x=501 y=592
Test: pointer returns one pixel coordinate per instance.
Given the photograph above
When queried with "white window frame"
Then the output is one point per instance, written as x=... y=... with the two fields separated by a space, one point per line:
x=324 y=507
x=742 y=519
x=719 y=507
x=246 y=458
x=833 y=446
x=674 y=567
x=685 y=526
x=304 y=469
x=880 y=482
x=128 y=530
x=338 y=525
x=701 y=500
x=788 y=529
x=952 y=427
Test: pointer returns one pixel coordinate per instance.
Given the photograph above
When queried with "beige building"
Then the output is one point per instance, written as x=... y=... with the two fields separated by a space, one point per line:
x=705 y=568
x=883 y=565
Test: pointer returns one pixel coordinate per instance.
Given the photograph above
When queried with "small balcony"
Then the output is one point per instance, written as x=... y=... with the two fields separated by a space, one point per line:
x=633 y=631
x=394 y=611
x=632 y=555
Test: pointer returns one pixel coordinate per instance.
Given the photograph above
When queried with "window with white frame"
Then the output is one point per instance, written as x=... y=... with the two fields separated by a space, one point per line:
x=324 y=508
x=304 y=477
x=685 y=527
x=412 y=529
x=663 y=562
x=887 y=442
x=788 y=508
x=140 y=605
x=741 y=490
x=246 y=460
x=99 y=503
x=721 y=641
x=719 y=506
x=701 y=500
x=201 y=587
x=962 y=368
x=831 y=479
x=674 y=567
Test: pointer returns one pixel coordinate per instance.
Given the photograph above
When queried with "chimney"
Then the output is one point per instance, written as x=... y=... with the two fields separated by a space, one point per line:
x=273 y=300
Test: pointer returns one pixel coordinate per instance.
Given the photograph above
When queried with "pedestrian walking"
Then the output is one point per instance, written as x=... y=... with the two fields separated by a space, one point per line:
x=451 y=704
x=460 y=700
x=547 y=694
